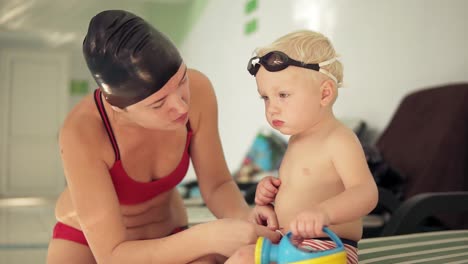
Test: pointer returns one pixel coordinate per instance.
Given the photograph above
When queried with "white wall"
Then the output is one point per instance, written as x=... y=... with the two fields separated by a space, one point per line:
x=60 y=34
x=77 y=67
x=389 y=48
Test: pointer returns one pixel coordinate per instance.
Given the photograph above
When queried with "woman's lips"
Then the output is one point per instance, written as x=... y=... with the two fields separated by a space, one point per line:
x=181 y=118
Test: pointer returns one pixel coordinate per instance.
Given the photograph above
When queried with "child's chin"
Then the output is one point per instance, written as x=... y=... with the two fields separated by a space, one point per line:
x=284 y=131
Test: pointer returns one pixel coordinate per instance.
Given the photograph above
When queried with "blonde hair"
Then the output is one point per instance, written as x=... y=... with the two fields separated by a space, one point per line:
x=309 y=47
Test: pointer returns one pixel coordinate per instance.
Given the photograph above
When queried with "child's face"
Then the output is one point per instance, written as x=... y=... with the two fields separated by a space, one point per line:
x=292 y=98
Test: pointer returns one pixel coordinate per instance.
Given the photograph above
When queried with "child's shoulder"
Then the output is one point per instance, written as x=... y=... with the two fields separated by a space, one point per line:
x=341 y=135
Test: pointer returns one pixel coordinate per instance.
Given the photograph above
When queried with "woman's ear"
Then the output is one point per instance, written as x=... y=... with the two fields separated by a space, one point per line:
x=117 y=109
x=327 y=92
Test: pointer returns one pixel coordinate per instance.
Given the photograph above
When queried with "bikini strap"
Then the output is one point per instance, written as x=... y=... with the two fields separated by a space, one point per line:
x=189 y=128
x=105 y=120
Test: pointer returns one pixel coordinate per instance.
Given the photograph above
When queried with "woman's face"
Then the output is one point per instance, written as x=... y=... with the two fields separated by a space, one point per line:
x=166 y=109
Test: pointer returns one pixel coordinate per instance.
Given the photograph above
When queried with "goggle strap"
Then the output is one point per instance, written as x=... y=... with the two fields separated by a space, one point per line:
x=328 y=74
x=327 y=62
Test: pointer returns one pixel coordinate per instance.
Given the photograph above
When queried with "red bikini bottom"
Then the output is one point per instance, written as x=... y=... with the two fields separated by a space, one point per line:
x=66 y=232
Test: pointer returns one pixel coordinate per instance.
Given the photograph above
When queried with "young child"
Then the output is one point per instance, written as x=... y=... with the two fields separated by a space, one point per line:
x=324 y=179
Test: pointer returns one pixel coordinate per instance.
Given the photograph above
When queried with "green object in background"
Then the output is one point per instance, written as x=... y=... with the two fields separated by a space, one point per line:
x=78 y=87
x=250 y=27
x=251 y=6
x=162 y=13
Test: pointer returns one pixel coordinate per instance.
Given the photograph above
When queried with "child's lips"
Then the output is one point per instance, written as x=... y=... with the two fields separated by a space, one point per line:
x=277 y=123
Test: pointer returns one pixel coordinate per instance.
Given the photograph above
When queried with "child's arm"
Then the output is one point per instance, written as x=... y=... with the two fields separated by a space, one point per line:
x=360 y=195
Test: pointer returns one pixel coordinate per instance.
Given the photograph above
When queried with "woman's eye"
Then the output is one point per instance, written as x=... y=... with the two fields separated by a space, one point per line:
x=158 y=106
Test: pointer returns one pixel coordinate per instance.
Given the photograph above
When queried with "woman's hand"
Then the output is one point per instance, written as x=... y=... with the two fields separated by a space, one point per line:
x=228 y=235
x=264 y=215
x=266 y=191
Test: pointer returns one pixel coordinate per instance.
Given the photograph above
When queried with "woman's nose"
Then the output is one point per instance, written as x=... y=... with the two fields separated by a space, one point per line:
x=179 y=104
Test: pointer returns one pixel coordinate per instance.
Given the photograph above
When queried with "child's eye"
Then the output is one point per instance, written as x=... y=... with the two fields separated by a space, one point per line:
x=283 y=95
x=264 y=97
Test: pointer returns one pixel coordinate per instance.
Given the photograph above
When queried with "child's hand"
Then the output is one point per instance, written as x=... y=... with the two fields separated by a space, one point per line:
x=309 y=224
x=266 y=190
x=264 y=215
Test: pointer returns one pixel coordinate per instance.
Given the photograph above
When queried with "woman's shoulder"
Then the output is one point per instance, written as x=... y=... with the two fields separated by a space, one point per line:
x=202 y=98
x=82 y=123
x=84 y=110
x=199 y=82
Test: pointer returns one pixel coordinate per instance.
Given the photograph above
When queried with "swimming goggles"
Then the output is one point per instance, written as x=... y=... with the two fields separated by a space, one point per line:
x=277 y=61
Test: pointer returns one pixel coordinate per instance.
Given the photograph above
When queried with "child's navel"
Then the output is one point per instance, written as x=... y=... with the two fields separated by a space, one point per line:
x=306 y=172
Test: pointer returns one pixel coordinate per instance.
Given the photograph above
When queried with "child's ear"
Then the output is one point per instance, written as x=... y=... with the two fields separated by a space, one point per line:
x=327 y=92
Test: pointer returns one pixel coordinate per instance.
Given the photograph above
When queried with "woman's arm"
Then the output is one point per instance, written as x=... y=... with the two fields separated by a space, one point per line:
x=217 y=186
x=98 y=209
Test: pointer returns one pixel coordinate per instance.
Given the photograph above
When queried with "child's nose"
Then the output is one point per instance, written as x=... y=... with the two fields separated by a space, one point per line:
x=273 y=108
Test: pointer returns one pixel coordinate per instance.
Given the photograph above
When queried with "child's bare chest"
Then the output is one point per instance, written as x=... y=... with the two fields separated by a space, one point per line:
x=308 y=177
x=307 y=165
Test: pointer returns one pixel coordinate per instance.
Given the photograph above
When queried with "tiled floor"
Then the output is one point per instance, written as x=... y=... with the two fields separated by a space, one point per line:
x=26 y=227
x=25 y=230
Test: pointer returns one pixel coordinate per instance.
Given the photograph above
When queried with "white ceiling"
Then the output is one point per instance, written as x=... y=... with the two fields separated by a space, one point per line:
x=60 y=22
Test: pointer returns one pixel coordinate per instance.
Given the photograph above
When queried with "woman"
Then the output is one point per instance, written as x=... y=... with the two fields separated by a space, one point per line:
x=126 y=147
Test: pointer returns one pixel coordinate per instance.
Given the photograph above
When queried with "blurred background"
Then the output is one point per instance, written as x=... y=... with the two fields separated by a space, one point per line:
x=389 y=49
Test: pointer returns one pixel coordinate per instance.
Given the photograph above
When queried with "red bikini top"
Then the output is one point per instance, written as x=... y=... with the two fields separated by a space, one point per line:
x=128 y=190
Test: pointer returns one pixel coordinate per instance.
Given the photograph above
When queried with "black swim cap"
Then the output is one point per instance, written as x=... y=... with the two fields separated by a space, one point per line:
x=128 y=58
